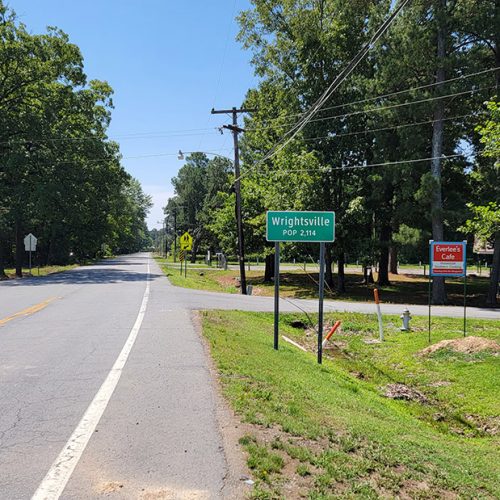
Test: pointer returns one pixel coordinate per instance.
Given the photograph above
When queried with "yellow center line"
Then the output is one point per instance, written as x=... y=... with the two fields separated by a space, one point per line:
x=28 y=311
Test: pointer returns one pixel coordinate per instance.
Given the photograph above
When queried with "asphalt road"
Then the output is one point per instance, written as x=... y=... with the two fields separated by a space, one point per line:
x=104 y=383
x=158 y=436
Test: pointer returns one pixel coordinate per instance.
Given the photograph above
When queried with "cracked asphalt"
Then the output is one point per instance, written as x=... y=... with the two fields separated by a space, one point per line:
x=159 y=436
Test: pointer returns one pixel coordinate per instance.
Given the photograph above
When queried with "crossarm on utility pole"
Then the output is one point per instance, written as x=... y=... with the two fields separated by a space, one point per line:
x=237 y=189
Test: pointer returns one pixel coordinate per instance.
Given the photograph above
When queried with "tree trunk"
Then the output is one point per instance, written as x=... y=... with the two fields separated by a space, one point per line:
x=193 y=253
x=341 y=288
x=491 y=298
x=2 y=259
x=393 y=259
x=269 y=270
x=438 y=288
x=19 y=250
x=383 y=264
x=328 y=266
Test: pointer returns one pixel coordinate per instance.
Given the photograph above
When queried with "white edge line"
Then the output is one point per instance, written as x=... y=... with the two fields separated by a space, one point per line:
x=57 y=477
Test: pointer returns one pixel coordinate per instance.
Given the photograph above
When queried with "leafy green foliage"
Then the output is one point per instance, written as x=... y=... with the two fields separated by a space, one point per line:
x=60 y=176
x=485 y=222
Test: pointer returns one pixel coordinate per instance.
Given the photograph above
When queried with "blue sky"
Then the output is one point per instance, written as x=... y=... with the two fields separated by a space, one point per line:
x=169 y=63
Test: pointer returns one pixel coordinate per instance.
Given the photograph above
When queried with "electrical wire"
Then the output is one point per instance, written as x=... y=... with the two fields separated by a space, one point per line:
x=382 y=129
x=354 y=167
x=392 y=106
x=392 y=94
x=153 y=155
x=308 y=115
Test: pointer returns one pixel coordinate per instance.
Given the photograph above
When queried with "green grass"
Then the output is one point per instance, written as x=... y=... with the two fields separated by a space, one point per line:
x=200 y=279
x=337 y=435
x=404 y=289
x=42 y=271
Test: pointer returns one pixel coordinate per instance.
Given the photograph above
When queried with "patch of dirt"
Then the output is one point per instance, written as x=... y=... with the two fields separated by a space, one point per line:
x=466 y=345
x=258 y=291
x=226 y=281
x=402 y=391
x=488 y=425
x=440 y=383
x=110 y=487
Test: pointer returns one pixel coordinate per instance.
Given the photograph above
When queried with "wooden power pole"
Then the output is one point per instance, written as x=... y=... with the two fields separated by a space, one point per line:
x=241 y=244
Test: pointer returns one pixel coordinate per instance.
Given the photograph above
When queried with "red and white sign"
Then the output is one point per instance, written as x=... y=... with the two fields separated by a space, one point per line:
x=448 y=259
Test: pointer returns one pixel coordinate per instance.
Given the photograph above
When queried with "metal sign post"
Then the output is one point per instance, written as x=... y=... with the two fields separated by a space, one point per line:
x=321 y=297
x=308 y=227
x=186 y=243
x=30 y=246
x=276 y=293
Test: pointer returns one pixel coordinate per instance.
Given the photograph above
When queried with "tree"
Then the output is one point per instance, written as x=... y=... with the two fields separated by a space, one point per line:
x=487 y=186
x=198 y=187
x=60 y=176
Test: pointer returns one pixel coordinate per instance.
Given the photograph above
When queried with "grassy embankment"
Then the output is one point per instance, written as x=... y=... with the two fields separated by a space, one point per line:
x=404 y=289
x=42 y=271
x=329 y=432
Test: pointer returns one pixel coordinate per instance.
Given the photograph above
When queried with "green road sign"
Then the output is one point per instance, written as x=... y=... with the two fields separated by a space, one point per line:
x=300 y=226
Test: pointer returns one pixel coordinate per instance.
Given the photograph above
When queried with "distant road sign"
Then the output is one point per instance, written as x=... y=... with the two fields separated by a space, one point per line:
x=448 y=258
x=186 y=241
x=300 y=226
x=30 y=243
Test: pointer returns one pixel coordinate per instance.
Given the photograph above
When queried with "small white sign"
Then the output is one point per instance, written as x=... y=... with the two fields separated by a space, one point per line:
x=30 y=243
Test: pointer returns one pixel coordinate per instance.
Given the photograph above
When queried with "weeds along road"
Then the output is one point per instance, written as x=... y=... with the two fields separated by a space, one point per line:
x=105 y=387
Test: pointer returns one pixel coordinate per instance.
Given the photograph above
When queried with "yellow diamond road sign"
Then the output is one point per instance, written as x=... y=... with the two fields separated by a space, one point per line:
x=186 y=241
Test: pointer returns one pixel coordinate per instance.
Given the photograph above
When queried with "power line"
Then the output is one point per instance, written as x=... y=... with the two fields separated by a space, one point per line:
x=400 y=92
x=384 y=108
x=308 y=115
x=151 y=135
x=331 y=88
x=372 y=165
x=394 y=127
x=153 y=155
x=223 y=60
x=191 y=132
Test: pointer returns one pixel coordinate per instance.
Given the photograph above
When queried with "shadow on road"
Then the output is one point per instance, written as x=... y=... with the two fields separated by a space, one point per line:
x=101 y=273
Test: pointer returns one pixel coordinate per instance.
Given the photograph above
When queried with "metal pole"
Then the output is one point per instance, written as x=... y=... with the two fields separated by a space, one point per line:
x=465 y=305
x=321 y=296
x=465 y=287
x=185 y=266
x=430 y=290
x=276 y=292
x=175 y=237
x=30 y=256
x=431 y=267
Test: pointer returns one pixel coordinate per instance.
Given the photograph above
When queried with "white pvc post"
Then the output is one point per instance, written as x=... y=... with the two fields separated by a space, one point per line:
x=379 y=315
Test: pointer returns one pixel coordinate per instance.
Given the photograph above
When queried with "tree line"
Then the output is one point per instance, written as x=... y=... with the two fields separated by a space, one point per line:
x=404 y=151
x=60 y=175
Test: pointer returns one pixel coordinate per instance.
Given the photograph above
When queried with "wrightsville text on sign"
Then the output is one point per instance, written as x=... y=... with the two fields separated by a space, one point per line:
x=300 y=226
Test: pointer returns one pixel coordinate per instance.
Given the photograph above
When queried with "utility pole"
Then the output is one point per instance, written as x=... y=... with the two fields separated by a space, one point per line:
x=175 y=234
x=237 y=191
